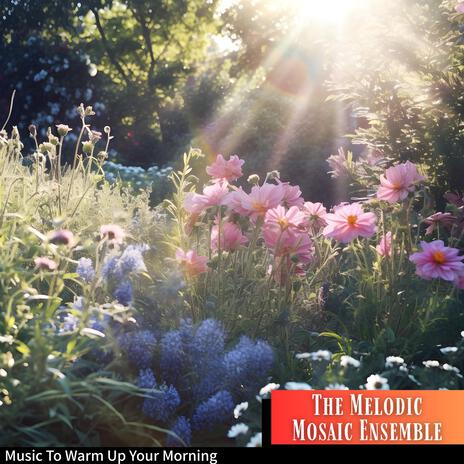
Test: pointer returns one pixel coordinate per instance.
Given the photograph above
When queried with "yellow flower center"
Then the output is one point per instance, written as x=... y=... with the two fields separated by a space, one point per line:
x=259 y=208
x=283 y=223
x=439 y=257
x=352 y=220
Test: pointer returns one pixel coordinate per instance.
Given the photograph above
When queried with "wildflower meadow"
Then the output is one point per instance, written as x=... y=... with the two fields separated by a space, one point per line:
x=160 y=306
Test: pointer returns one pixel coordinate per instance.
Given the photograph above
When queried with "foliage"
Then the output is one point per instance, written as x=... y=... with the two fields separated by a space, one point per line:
x=404 y=85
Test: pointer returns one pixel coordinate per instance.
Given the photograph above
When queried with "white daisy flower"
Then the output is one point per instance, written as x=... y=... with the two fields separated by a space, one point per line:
x=449 y=349
x=349 y=361
x=297 y=386
x=450 y=368
x=240 y=408
x=431 y=363
x=377 y=382
x=268 y=388
x=256 y=441
x=302 y=355
x=392 y=361
x=237 y=430
x=336 y=386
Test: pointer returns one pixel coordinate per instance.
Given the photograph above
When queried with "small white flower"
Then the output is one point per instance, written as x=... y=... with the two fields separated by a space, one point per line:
x=268 y=388
x=431 y=363
x=336 y=386
x=377 y=382
x=256 y=441
x=449 y=349
x=320 y=355
x=403 y=368
x=349 y=361
x=392 y=361
x=297 y=386
x=237 y=430
x=450 y=368
x=240 y=408
x=462 y=334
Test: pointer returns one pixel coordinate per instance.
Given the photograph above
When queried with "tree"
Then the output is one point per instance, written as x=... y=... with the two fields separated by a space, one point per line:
x=143 y=51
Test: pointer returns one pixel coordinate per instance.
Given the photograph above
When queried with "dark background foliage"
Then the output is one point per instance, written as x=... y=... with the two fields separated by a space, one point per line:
x=160 y=75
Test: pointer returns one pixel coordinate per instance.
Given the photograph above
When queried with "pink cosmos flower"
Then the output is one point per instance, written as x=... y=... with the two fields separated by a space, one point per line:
x=297 y=245
x=456 y=199
x=444 y=219
x=459 y=8
x=384 y=248
x=284 y=219
x=113 y=233
x=339 y=164
x=215 y=194
x=62 y=237
x=398 y=181
x=194 y=203
x=315 y=213
x=231 y=237
x=234 y=201
x=292 y=195
x=438 y=261
x=290 y=256
x=258 y=202
x=192 y=263
x=229 y=170
x=44 y=263
x=348 y=222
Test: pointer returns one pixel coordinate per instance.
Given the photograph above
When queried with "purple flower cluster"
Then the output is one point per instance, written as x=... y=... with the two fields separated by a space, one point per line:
x=183 y=430
x=163 y=400
x=197 y=373
x=215 y=411
x=139 y=347
x=116 y=271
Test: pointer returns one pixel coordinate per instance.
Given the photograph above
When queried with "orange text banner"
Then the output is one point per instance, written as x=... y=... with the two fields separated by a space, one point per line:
x=367 y=417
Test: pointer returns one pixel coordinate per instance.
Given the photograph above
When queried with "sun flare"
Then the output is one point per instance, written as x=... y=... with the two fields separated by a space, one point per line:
x=324 y=10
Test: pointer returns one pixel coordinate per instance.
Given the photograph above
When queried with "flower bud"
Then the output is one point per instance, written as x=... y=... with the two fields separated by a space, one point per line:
x=63 y=130
x=46 y=147
x=87 y=147
x=273 y=175
x=33 y=130
x=253 y=179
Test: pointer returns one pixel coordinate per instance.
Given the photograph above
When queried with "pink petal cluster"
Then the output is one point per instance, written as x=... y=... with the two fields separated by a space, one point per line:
x=444 y=219
x=315 y=213
x=213 y=195
x=459 y=8
x=257 y=202
x=285 y=234
x=398 y=181
x=384 y=248
x=438 y=261
x=113 y=233
x=339 y=164
x=292 y=195
x=229 y=170
x=44 y=263
x=231 y=237
x=62 y=237
x=348 y=222
x=191 y=263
